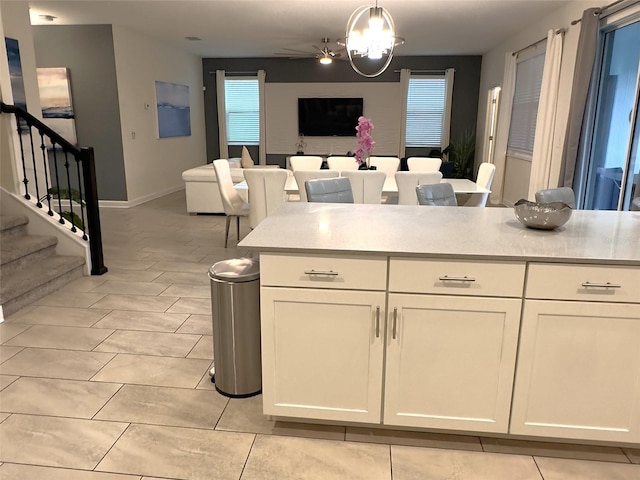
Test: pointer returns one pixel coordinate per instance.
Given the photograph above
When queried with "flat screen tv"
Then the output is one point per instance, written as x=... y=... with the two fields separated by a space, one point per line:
x=328 y=117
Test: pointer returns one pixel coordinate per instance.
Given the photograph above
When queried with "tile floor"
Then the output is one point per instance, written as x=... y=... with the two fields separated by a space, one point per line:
x=107 y=379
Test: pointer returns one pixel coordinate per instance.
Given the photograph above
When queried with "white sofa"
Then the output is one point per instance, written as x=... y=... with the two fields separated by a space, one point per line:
x=201 y=187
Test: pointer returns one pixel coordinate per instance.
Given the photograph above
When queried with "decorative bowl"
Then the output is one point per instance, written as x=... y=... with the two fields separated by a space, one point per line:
x=542 y=216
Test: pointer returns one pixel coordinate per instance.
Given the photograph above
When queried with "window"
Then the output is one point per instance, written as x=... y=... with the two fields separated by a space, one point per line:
x=525 y=104
x=242 y=104
x=427 y=116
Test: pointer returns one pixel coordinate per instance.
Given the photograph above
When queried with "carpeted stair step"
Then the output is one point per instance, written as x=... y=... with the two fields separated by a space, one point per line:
x=13 y=226
x=17 y=253
x=38 y=280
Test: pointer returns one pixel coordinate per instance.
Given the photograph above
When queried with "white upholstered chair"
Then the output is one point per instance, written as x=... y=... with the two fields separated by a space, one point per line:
x=266 y=192
x=305 y=162
x=388 y=165
x=408 y=181
x=232 y=203
x=342 y=163
x=486 y=173
x=366 y=185
x=302 y=176
x=424 y=164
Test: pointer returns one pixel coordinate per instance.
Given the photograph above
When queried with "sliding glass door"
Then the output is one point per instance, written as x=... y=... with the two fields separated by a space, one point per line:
x=612 y=173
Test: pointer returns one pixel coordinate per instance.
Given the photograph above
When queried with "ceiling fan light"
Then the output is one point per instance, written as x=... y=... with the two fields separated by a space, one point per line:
x=326 y=60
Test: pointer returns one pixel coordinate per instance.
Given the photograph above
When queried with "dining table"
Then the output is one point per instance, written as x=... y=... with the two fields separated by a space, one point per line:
x=461 y=186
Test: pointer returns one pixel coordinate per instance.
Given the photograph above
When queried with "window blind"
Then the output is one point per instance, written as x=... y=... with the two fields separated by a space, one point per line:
x=242 y=104
x=522 y=130
x=426 y=104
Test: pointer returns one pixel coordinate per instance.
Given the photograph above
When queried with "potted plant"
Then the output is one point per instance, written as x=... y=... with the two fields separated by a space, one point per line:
x=462 y=153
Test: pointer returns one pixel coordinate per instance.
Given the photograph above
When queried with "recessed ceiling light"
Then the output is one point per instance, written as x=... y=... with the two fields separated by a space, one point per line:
x=47 y=18
x=193 y=39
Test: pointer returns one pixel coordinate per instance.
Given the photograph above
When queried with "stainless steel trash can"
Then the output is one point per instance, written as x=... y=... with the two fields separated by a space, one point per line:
x=235 y=311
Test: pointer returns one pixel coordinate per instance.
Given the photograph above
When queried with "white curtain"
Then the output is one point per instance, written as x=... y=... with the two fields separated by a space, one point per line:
x=222 y=115
x=546 y=118
x=504 y=121
x=405 y=74
x=263 y=123
x=446 y=124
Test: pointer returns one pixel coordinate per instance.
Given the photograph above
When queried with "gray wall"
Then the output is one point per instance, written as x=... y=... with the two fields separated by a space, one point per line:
x=87 y=51
x=281 y=70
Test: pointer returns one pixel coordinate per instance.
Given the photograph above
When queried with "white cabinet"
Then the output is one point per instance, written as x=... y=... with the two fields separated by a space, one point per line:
x=578 y=373
x=451 y=343
x=322 y=348
x=450 y=362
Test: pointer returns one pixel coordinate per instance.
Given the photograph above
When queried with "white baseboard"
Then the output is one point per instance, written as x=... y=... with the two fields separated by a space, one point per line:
x=138 y=201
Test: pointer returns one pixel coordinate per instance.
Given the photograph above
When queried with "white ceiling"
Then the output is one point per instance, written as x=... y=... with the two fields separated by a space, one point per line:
x=251 y=28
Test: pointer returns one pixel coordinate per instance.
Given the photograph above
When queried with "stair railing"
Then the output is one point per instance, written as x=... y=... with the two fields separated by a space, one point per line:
x=72 y=166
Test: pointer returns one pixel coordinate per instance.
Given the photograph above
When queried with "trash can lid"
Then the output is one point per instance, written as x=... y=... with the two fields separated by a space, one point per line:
x=236 y=270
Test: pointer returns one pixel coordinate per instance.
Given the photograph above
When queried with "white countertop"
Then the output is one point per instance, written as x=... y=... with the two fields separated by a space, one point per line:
x=495 y=233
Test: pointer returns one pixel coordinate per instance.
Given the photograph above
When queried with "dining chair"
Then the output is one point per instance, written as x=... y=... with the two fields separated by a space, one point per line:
x=484 y=179
x=437 y=194
x=388 y=165
x=266 y=192
x=342 y=163
x=408 y=181
x=302 y=176
x=305 y=162
x=560 y=194
x=329 y=190
x=232 y=203
x=366 y=185
x=424 y=164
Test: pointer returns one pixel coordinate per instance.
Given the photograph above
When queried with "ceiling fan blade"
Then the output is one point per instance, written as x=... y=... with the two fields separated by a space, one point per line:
x=298 y=51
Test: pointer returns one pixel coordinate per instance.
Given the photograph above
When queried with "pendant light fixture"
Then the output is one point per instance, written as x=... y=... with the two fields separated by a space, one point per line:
x=371 y=33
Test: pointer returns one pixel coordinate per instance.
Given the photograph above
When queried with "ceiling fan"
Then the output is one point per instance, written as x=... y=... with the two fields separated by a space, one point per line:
x=324 y=54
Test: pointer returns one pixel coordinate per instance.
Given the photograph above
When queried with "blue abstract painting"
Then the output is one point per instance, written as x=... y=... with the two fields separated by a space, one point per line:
x=15 y=74
x=174 y=113
x=55 y=99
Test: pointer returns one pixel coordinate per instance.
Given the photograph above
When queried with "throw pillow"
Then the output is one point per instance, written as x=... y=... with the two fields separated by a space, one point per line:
x=247 y=161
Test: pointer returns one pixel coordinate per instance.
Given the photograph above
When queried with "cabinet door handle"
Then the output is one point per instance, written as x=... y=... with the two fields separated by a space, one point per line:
x=445 y=278
x=601 y=285
x=395 y=322
x=321 y=272
x=378 y=321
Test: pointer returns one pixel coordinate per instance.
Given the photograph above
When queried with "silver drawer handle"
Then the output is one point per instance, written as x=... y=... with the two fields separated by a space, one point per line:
x=378 y=321
x=601 y=285
x=445 y=278
x=321 y=272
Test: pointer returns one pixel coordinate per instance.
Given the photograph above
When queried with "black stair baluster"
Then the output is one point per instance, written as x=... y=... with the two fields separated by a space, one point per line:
x=35 y=169
x=66 y=166
x=82 y=219
x=55 y=165
x=25 y=180
x=45 y=162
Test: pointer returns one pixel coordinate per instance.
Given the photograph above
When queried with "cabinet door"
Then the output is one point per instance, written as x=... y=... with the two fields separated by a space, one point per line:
x=451 y=363
x=578 y=371
x=322 y=353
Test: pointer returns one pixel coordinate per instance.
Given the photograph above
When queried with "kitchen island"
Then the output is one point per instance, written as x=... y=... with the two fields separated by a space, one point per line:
x=452 y=319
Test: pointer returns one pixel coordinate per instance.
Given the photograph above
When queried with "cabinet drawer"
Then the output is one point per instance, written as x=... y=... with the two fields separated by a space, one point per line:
x=445 y=277
x=595 y=283
x=341 y=272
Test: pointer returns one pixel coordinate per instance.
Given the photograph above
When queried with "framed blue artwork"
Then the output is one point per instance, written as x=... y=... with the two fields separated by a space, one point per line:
x=174 y=113
x=15 y=74
x=55 y=99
